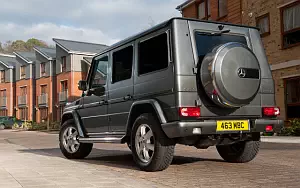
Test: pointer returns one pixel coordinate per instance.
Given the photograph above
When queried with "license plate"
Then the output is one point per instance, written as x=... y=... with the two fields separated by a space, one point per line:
x=233 y=125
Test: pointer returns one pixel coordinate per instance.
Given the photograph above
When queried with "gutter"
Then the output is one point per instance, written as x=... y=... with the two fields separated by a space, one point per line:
x=185 y=4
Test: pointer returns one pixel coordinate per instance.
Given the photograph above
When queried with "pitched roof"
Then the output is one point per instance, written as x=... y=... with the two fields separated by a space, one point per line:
x=49 y=53
x=88 y=59
x=28 y=57
x=184 y=4
x=81 y=47
x=8 y=61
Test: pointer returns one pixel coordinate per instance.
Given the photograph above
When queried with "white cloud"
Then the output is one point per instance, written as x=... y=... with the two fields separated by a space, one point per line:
x=47 y=31
x=104 y=21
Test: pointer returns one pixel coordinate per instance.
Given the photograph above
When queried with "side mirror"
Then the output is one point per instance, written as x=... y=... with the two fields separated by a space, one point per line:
x=82 y=85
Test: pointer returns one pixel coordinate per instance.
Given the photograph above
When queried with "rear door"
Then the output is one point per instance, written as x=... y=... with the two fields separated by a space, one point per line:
x=121 y=87
x=203 y=44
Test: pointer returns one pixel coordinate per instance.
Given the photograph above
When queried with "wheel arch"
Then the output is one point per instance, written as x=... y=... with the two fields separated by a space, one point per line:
x=144 y=106
x=73 y=115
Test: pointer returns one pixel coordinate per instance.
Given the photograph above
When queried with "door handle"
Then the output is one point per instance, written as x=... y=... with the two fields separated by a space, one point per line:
x=102 y=102
x=127 y=97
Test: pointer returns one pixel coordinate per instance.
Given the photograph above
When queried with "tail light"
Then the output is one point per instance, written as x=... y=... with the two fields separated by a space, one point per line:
x=271 y=111
x=189 y=111
x=269 y=128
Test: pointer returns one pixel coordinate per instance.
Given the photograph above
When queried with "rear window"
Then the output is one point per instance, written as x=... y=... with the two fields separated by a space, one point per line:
x=206 y=43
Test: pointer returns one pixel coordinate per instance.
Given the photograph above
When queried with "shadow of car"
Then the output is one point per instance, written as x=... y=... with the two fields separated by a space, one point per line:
x=7 y=122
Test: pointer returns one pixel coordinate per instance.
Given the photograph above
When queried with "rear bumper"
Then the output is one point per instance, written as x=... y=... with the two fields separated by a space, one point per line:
x=208 y=127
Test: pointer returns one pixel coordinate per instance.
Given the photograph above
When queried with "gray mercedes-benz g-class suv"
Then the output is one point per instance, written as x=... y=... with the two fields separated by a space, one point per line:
x=185 y=81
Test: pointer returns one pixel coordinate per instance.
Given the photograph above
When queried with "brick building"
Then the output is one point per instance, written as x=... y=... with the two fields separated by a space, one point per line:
x=279 y=23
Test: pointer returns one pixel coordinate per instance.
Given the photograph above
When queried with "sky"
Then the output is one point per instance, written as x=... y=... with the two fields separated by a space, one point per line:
x=97 y=21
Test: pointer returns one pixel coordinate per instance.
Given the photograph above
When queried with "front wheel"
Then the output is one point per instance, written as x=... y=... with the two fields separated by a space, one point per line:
x=68 y=142
x=152 y=150
x=240 y=152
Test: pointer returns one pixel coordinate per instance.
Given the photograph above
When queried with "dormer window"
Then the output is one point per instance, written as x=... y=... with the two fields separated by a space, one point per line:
x=23 y=72
x=63 y=64
x=43 y=69
x=2 y=76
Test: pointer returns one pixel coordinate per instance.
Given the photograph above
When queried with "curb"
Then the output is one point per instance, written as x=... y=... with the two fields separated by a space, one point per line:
x=280 y=139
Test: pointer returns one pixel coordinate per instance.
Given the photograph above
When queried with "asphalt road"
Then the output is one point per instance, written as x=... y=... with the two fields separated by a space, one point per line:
x=277 y=165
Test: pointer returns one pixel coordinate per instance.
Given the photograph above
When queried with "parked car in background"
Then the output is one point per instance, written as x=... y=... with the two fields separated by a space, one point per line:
x=7 y=122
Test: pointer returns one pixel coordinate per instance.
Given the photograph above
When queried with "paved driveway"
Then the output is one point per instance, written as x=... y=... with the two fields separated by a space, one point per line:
x=32 y=159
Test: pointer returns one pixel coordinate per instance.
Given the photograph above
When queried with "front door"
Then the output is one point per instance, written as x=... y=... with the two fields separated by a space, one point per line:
x=94 y=112
x=120 y=88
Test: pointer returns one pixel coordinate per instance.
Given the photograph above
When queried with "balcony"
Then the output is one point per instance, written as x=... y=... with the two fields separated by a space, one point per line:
x=22 y=100
x=3 y=101
x=43 y=99
x=63 y=96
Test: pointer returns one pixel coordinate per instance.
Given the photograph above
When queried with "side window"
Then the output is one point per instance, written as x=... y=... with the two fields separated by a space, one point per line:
x=122 y=64
x=100 y=72
x=153 y=54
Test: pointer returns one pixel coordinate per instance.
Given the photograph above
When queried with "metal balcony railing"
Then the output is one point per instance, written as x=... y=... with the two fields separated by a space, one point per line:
x=3 y=101
x=43 y=99
x=22 y=100
x=63 y=96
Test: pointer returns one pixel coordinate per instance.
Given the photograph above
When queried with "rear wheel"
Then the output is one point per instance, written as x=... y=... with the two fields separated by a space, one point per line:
x=69 y=144
x=152 y=150
x=2 y=126
x=240 y=152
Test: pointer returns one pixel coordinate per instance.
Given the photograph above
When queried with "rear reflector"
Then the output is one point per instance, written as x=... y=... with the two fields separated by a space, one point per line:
x=189 y=111
x=271 y=111
x=269 y=128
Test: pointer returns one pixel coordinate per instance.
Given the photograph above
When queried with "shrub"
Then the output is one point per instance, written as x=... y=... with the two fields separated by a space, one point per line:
x=293 y=129
x=39 y=126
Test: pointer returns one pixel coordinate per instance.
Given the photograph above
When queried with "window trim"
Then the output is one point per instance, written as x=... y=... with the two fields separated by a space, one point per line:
x=207 y=16
x=170 y=58
x=282 y=28
x=112 y=62
x=257 y=19
x=221 y=17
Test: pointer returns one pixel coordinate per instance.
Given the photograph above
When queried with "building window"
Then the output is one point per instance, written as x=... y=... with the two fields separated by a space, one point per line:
x=43 y=89
x=204 y=10
x=292 y=88
x=263 y=23
x=43 y=69
x=3 y=98
x=23 y=113
x=222 y=8
x=3 y=112
x=43 y=114
x=64 y=85
x=63 y=64
x=23 y=72
x=147 y=61
x=2 y=76
x=290 y=25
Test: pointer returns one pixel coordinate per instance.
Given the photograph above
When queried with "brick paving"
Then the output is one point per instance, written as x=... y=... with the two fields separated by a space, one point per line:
x=32 y=159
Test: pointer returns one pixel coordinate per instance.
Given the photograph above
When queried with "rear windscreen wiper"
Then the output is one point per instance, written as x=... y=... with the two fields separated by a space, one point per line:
x=216 y=33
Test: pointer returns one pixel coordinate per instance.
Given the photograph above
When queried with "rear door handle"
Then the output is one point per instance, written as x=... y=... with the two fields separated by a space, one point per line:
x=127 y=97
x=102 y=102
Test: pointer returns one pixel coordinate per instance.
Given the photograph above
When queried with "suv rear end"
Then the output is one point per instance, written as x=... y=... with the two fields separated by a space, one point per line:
x=224 y=86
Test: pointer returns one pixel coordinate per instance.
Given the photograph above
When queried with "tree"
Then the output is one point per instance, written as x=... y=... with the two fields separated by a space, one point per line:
x=35 y=42
x=19 y=45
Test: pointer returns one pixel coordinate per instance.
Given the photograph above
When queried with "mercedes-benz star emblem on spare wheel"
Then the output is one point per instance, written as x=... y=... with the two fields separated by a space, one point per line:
x=242 y=72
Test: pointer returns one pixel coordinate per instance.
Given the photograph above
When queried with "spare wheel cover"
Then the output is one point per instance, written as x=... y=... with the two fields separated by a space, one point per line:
x=231 y=75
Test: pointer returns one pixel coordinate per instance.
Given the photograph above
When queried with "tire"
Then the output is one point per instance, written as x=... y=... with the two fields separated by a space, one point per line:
x=160 y=147
x=2 y=126
x=81 y=150
x=241 y=152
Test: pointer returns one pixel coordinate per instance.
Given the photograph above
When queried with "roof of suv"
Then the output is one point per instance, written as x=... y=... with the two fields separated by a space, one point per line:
x=162 y=25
